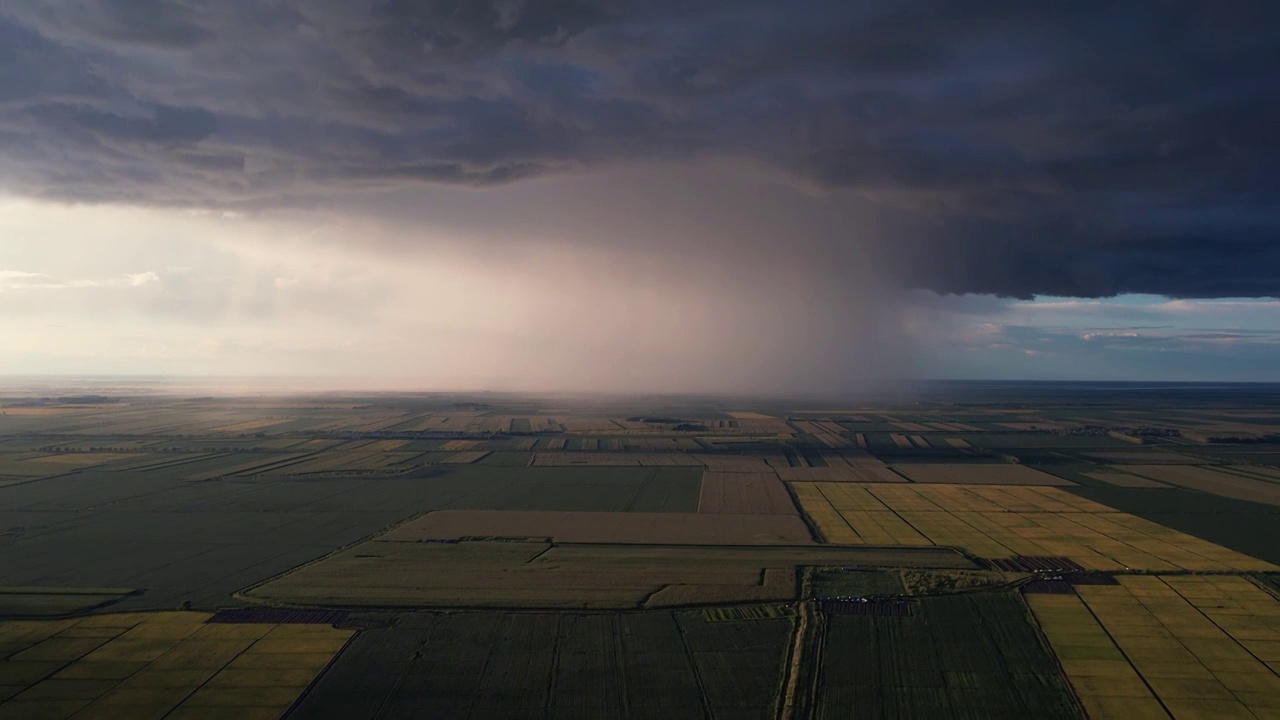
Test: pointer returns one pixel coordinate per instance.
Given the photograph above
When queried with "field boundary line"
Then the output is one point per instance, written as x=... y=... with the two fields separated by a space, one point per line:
x=1048 y=645
x=1221 y=629
x=790 y=706
x=555 y=668
x=814 y=532
x=821 y=488
x=1120 y=649
x=693 y=665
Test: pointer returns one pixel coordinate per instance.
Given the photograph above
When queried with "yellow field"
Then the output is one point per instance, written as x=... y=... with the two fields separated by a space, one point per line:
x=849 y=514
x=1009 y=520
x=456 y=445
x=1203 y=646
x=1105 y=682
x=168 y=664
x=465 y=457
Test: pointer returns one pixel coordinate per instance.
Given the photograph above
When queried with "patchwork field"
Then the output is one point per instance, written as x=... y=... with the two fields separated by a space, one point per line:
x=1155 y=646
x=499 y=556
x=171 y=665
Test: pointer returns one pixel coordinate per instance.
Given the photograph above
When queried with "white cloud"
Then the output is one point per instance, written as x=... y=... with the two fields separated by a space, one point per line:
x=29 y=281
x=18 y=275
x=139 y=279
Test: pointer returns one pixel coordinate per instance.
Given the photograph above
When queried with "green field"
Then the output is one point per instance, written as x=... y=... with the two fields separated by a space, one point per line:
x=1250 y=528
x=953 y=657
x=502 y=665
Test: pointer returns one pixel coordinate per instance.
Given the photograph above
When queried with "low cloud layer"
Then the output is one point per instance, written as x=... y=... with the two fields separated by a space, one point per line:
x=1012 y=148
x=107 y=290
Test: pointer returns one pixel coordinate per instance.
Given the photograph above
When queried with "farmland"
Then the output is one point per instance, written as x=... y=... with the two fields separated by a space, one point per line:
x=405 y=572
x=169 y=664
x=1225 y=482
x=645 y=665
x=992 y=522
x=977 y=554
x=744 y=494
x=1146 y=644
x=958 y=656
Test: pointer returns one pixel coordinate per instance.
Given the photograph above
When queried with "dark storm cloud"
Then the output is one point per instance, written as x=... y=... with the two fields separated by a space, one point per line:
x=1084 y=148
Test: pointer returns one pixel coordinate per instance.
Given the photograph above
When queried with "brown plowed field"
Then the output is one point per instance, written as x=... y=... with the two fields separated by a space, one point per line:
x=744 y=493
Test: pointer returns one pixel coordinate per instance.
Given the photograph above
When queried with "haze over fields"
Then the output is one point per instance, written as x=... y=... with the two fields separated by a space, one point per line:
x=687 y=196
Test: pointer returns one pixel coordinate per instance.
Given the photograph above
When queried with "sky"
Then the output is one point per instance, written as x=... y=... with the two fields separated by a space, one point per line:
x=681 y=196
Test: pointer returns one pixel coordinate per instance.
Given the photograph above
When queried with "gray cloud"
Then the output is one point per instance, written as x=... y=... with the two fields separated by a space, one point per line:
x=1012 y=148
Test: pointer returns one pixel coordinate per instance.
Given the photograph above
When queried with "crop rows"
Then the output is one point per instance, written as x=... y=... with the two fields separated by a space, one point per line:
x=999 y=522
x=1151 y=646
x=961 y=656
